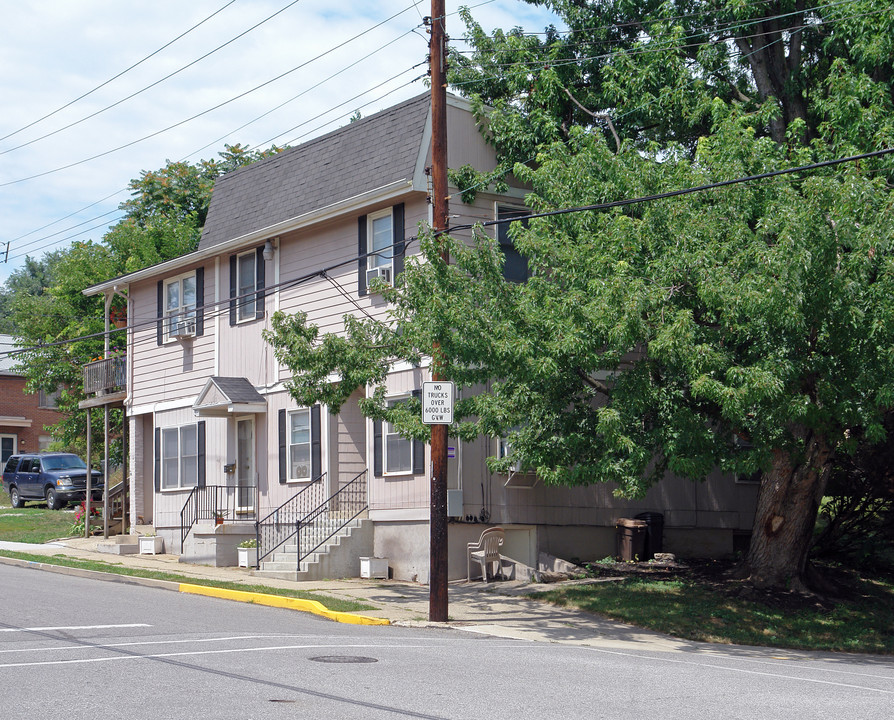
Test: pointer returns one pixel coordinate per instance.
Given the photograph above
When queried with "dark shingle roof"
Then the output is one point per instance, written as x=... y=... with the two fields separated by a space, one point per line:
x=238 y=389
x=359 y=157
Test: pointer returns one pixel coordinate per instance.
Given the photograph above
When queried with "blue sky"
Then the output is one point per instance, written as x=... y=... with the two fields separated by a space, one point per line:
x=53 y=188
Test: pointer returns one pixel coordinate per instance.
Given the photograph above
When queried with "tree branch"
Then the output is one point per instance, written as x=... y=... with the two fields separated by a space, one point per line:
x=598 y=116
x=596 y=385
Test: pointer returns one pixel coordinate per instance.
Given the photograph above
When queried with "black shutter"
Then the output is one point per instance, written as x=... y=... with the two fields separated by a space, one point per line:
x=160 y=331
x=200 y=458
x=232 y=289
x=418 y=454
x=316 y=444
x=397 y=228
x=361 y=255
x=259 y=283
x=283 y=465
x=157 y=459
x=515 y=265
x=377 y=448
x=200 y=301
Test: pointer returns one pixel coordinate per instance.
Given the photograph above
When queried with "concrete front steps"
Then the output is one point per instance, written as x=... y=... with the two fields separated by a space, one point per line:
x=338 y=557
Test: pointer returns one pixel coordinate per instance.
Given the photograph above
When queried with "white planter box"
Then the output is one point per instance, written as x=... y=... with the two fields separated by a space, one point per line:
x=151 y=545
x=374 y=567
x=248 y=557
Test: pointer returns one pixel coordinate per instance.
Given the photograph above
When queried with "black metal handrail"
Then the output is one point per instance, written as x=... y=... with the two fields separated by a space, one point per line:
x=218 y=503
x=331 y=516
x=279 y=526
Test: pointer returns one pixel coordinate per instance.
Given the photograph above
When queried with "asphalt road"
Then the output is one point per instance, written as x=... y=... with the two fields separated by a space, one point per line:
x=79 y=648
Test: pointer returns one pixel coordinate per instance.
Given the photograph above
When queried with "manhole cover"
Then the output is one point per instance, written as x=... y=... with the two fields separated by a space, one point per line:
x=343 y=659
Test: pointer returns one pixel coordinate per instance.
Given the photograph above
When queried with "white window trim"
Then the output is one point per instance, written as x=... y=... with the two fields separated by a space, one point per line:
x=290 y=445
x=161 y=480
x=383 y=259
x=15 y=444
x=243 y=299
x=169 y=314
x=385 y=425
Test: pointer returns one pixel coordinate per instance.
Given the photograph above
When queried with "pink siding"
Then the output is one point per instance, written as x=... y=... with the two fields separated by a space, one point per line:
x=178 y=368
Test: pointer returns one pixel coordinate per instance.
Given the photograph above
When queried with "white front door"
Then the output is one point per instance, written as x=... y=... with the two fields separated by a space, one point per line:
x=245 y=463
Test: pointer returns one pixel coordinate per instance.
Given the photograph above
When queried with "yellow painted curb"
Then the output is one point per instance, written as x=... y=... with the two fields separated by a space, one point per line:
x=311 y=606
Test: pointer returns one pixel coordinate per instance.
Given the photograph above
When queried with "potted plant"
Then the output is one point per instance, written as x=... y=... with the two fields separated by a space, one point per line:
x=218 y=518
x=118 y=316
x=151 y=544
x=248 y=553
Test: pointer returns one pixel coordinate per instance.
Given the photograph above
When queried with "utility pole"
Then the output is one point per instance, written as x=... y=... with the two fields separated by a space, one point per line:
x=437 y=603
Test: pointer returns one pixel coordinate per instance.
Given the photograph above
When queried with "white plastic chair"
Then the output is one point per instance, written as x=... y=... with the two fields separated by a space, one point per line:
x=485 y=552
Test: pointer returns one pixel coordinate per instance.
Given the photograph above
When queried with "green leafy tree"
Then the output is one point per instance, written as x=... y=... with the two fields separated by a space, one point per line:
x=33 y=278
x=748 y=327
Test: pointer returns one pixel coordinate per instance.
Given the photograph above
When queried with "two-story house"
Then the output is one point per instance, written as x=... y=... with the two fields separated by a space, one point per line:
x=214 y=436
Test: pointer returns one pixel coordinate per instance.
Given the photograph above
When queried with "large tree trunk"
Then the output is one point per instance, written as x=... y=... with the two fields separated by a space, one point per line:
x=787 y=504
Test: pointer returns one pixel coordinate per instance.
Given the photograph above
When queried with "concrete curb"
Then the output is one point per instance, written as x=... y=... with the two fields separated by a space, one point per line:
x=287 y=603
x=311 y=606
x=92 y=574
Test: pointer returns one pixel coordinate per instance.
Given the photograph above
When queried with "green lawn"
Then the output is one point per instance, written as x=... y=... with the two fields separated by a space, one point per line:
x=693 y=610
x=33 y=523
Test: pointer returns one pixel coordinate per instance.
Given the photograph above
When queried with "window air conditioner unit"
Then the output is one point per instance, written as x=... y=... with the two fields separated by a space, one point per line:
x=183 y=329
x=382 y=273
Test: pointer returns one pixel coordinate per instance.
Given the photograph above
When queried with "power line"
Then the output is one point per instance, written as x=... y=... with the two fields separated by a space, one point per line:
x=222 y=306
x=351 y=65
x=138 y=92
x=111 y=79
x=676 y=193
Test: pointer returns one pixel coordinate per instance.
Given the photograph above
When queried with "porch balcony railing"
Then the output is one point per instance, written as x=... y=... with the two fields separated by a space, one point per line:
x=105 y=376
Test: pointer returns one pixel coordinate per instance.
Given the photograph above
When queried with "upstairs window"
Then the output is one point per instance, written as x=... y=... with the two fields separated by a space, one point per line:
x=180 y=307
x=515 y=265
x=48 y=400
x=247 y=286
x=380 y=247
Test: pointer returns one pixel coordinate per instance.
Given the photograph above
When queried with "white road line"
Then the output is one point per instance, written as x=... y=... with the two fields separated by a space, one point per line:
x=100 y=646
x=159 y=656
x=820 y=667
x=737 y=670
x=75 y=627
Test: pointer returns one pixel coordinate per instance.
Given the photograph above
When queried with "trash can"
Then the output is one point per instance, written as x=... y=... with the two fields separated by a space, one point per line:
x=654 y=533
x=630 y=539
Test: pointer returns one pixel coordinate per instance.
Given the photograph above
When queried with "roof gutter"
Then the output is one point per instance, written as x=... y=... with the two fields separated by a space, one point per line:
x=342 y=207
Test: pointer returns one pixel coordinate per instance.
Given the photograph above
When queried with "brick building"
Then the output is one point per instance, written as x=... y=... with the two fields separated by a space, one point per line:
x=23 y=416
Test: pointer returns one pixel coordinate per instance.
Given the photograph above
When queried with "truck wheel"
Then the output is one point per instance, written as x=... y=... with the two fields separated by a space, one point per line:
x=54 y=502
x=14 y=498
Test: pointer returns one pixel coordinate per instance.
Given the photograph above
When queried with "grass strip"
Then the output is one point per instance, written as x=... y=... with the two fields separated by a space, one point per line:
x=864 y=623
x=34 y=525
x=335 y=604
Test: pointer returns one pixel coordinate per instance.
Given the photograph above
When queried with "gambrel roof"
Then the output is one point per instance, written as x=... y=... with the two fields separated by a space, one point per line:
x=362 y=156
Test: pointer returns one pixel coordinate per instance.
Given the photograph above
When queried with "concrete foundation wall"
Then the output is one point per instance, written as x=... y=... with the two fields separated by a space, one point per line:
x=406 y=545
x=210 y=545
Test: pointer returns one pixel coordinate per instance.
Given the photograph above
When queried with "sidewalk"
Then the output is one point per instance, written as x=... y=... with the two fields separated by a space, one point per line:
x=498 y=608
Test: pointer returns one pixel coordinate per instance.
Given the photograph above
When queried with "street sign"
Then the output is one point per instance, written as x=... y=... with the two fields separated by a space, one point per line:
x=437 y=402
